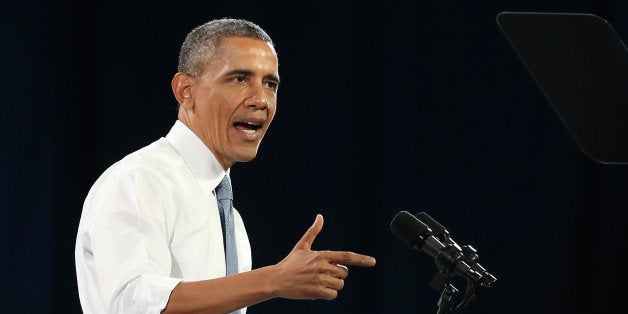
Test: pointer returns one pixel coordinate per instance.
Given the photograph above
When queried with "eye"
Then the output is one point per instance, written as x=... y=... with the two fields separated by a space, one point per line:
x=239 y=79
x=271 y=84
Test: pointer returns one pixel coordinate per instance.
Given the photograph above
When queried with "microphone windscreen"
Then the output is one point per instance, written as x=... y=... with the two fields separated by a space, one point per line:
x=438 y=230
x=410 y=230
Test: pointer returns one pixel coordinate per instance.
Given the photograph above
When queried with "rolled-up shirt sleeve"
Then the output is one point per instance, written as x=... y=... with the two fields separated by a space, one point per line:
x=128 y=240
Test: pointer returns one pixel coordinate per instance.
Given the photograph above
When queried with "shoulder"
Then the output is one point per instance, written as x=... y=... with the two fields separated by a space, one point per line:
x=157 y=158
x=152 y=164
x=139 y=181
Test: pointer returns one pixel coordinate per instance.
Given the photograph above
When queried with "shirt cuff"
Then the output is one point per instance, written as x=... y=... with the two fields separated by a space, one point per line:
x=159 y=292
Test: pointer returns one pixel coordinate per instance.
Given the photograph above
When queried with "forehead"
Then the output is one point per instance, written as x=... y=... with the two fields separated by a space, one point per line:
x=237 y=42
x=250 y=51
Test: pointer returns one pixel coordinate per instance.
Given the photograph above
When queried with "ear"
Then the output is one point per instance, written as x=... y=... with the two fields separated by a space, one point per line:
x=182 y=90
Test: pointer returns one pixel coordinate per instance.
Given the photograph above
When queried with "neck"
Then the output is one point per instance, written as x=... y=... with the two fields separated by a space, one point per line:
x=185 y=119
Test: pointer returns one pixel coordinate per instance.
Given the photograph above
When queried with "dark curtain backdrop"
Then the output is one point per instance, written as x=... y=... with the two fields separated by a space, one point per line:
x=385 y=106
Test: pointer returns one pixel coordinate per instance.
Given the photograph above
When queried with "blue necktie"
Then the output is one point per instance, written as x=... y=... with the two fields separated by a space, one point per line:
x=224 y=195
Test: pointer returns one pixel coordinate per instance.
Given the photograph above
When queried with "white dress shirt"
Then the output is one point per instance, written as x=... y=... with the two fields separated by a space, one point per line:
x=151 y=221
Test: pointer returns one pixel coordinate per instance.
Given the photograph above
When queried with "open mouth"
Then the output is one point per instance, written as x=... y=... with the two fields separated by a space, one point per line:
x=248 y=127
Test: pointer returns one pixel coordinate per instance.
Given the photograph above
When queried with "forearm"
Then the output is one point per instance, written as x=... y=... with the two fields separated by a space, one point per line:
x=223 y=295
x=303 y=274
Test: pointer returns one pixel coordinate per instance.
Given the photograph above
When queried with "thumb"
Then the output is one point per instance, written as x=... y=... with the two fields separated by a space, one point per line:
x=310 y=235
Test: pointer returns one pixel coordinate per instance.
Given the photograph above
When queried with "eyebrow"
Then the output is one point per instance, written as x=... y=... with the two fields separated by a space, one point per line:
x=245 y=72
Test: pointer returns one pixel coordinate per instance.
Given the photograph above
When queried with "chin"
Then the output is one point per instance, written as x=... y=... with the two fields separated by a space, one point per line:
x=244 y=152
x=246 y=157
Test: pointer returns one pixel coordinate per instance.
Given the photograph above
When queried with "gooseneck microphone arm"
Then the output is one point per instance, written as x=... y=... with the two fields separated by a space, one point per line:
x=429 y=236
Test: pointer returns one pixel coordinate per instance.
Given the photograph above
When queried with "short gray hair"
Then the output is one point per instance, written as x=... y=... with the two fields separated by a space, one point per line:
x=201 y=43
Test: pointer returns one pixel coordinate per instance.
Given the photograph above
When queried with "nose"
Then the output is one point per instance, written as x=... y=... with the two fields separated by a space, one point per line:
x=257 y=98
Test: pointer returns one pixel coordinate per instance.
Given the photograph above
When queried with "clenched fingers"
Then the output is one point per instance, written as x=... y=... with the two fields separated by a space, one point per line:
x=338 y=271
x=329 y=287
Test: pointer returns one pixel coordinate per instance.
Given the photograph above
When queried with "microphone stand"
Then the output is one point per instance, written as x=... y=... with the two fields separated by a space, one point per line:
x=477 y=278
x=450 y=259
x=448 y=293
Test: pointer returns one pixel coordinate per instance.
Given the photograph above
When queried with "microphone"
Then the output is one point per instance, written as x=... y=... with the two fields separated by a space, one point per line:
x=426 y=234
x=418 y=236
x=470 y=254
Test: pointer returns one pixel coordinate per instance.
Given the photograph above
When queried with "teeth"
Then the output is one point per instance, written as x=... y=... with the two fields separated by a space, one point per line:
x=248 y=127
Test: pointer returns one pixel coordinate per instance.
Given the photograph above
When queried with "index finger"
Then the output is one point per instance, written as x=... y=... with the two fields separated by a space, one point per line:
x=348 y=258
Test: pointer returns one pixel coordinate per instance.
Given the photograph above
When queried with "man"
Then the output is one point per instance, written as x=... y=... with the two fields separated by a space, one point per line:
x=158 y=232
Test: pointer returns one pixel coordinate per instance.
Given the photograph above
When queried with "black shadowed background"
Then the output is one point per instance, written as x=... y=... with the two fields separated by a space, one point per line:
x=384 y=106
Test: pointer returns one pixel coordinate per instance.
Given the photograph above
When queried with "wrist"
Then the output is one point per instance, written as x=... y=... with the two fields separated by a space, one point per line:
x=270 y=282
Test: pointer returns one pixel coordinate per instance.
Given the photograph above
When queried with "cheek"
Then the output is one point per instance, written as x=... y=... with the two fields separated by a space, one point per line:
x=224 y=115
x=271 y=112
x=271 y=96
x=220 y=112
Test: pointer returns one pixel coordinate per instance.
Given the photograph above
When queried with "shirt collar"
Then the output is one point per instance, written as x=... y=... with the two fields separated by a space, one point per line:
x=197 y=156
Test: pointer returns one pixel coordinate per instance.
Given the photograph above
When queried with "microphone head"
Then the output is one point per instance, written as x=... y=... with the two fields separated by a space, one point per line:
x=410 y=230
x=438 y=230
